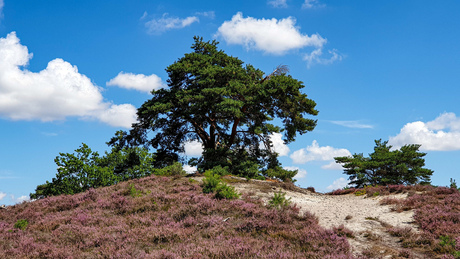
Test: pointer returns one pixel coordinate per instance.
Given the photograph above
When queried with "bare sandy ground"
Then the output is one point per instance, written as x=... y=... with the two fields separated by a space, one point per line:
x=362 y=215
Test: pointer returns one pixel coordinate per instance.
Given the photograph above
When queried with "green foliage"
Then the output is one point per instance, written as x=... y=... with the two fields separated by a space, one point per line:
x=21 y=224
x=211 y=181
x=219 y=170
x=279 y=201
x=446 y=241
x=360 y=192
x=213 y=184
x=225 y=191
x=133 y=192
x=281 y=173
x=226 y=105
x=85 y=169
x=384 y=167
x=453 y=184
x=175 y=169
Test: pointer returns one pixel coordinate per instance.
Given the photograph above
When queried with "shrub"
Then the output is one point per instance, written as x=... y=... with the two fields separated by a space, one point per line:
x=220 y=171
x=211 y=182
x=21 y=224
x=279 y=201
x=453 y=184
x=360 y=192
x=342 y=231
x=224 y=191
x=134 y=192
x=175 y=169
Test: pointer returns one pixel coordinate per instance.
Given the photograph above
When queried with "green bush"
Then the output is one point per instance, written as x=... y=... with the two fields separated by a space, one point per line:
x=453 y=184
x=85 y=169
x=21 y=224
x=220 y=171
x=360 y=192
x=211 y=182
x=175 y=169
x=279 y=201
x=224 y=191
x=281 y=173
x=134 y=192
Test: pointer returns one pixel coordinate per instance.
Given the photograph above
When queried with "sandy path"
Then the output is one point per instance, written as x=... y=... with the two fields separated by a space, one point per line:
x=364 y=216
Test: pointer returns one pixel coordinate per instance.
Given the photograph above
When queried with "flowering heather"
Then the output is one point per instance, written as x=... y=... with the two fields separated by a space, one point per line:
x=162 y=217
x=436 y=212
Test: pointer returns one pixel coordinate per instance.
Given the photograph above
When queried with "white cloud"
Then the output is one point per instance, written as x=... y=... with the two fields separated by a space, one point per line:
x=193 y=148
x=19 y=199
x=269 y=35
x=310 y=4
x=165 y=23
x=123 y=115
x=138 y=82
x=278 y=144
x=301 y=173
x=2 y=195
x=338 y=184
x=332 y=166
x=441 y=134
x=353 y=124
x=189 y=169
x=209 y=14
x=143 y=16
x=317 y=153
x=315 y=57
x=278 y=3
x=57 y=92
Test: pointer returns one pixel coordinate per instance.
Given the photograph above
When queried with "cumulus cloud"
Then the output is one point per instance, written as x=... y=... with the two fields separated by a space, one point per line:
x=332 y=166
x=338 y=184
x=54 y=93
x=317 y=153
x=193 y=148
x=278 y=144
x=316 y=57
x=276 y=37
x=441 y=134
x=189 y=169
x=301 y=173
x=269 y=35
x=123 y=115
x=138 y=82
x=19 y=199
x=278 y=3
x=166 y=23
x=311 y=4
x=2 y=195
x=353 y=124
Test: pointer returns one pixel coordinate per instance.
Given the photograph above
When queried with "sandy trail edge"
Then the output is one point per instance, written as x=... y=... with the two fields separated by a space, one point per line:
x=362 y=215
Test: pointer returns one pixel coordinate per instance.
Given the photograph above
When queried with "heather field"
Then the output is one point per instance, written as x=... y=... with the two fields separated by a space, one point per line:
x=162 y=217
x=436 y=219
x=171 y=217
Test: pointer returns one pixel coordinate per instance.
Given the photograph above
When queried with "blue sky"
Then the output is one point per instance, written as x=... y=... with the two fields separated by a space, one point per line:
x=75 y=71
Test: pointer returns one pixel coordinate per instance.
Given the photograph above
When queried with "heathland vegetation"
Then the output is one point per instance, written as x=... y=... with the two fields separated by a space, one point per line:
x=136 y=201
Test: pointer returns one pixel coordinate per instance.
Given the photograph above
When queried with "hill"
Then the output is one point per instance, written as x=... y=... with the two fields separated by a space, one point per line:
x=170 y=217
x=162 y=217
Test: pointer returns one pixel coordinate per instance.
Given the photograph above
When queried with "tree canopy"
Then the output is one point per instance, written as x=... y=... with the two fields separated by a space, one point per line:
x=384 y=166
x=228 y=107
